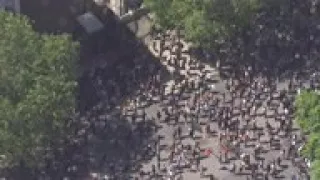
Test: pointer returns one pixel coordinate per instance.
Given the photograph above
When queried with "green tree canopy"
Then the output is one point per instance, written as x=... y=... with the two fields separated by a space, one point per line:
x=308 y=111
x=37 y=86
x=308 y=117
x=203 y=21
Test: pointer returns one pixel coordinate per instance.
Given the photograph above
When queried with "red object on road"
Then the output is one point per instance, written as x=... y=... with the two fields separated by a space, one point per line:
x=207 y=152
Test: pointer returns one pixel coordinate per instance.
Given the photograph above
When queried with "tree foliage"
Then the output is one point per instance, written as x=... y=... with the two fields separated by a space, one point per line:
x=203 y=21
x=37 y=86
x=315 y=169
x=308 y=111
x=308 y=117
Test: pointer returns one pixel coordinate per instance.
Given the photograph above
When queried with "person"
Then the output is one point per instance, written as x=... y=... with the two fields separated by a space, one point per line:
x=176 y=119
x=158 y=161
x=171 y=156
x=207 y=152
x=211 y=177
x=134 y=118
x=179 y=131
x=185 y=114
x=202 y=170
x=153 y=170
x=232 y=167
x=265 y=176
x=242 y=166
x=191 y=132
x=260 y=133
x=208 y=130
x=246 y=137
x=170 y=171
x=294 y=177
x=198 y=162
x=278 y=160
x=159 y=115
x=257 y=150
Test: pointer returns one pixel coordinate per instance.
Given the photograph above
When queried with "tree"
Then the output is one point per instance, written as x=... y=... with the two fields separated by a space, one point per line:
x=204 y=22
x=308 y=117
x=308 y=111
x=37 y=85
x=315 y=169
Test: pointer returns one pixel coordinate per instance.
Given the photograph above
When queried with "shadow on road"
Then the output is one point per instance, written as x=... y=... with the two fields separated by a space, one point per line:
x=113 y=144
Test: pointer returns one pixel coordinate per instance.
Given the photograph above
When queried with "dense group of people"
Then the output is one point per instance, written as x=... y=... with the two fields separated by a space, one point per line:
x=175 y=119
x=158 y=131
x=246 y=117
x=248 y=121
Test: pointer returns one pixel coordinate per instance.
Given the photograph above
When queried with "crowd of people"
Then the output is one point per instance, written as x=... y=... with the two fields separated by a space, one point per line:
x=158 y=131
x=245 y=118
x=188 y=124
